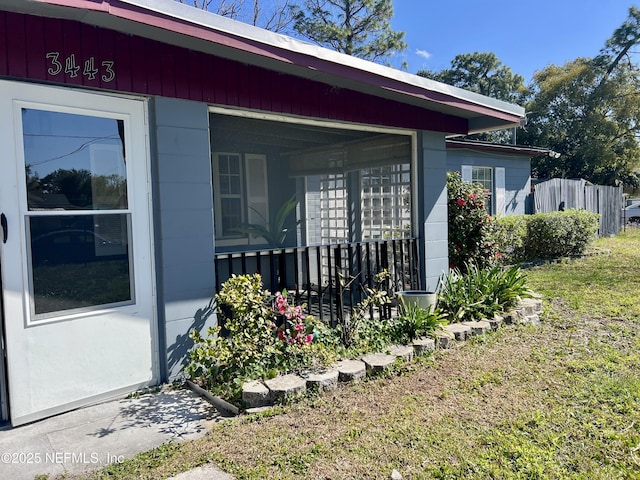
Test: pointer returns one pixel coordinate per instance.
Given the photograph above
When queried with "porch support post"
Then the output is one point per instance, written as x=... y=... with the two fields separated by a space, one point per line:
x=432 y=207
x=184 y=239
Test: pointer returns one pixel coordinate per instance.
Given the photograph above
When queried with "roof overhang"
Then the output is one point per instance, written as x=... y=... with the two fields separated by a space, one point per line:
x=523 y=150
x=177 y=24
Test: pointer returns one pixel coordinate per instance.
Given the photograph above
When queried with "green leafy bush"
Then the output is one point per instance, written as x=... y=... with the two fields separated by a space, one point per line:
x=470 y=226
x=521 y=238
x=509 y=235
x=477 y=293
x=223 y=363
x=560 y=234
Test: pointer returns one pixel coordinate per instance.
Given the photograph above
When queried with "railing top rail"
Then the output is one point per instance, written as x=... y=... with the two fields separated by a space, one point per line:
x=253 y=253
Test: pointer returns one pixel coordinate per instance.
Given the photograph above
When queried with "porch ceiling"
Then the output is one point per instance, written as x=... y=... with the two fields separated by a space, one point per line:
x=285 y=138
x=170 y=22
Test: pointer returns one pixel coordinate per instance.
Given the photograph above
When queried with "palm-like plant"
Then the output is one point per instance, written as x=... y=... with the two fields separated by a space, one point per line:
x=273 y=231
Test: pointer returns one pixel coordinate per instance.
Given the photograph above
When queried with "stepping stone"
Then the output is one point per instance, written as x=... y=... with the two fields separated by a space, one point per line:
x=255 y=394
x=378 y=362
x=323 y=381
x=402 y=351
x=423 y=345
x=495 y=322
x=459 y=331
x=350 y=370
x=480 y=327
x=530 y=305
x=532 y=319
x=285 y=386
x=445 y=339
x=511 y=317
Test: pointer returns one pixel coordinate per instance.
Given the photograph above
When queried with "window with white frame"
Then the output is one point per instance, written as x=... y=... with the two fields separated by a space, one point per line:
x=484 y=176
x=493 y=181
x=240 y=183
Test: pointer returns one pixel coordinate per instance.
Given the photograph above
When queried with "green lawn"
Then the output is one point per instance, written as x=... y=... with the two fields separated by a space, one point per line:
x=557 y=401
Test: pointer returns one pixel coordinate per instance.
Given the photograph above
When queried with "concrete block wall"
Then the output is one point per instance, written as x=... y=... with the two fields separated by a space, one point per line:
x=432 y=206
x=184 y=235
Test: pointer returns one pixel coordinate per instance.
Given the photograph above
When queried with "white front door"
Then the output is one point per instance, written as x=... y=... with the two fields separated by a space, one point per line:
x=77 y=271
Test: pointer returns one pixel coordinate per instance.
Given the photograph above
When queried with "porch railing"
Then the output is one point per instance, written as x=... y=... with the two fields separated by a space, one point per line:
x=312 y=274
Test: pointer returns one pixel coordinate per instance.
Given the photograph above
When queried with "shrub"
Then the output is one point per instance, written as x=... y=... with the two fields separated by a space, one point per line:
x=254 y=347
x=480 y=292
x=224 y=362
x=509 y=235
x=470 y=226
x=544 y=235
x=560 y=234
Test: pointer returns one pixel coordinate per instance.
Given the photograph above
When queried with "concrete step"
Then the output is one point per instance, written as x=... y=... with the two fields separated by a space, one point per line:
x=405 y=352
x=285 y=386
x=323 y=381
x=459 y=331
x=422 y=346
x=350 y=370
x=376 y=363
x=479 y=327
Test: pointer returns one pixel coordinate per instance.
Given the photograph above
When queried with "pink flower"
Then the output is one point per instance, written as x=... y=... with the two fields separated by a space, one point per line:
x=460 y=202
x=309 y=338
x=299 y=327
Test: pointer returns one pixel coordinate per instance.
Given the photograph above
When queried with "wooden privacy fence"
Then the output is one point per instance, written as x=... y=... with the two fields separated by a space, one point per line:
x=560 y=193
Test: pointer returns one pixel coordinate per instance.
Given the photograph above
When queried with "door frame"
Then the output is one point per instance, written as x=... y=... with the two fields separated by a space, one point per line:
x=33 y=94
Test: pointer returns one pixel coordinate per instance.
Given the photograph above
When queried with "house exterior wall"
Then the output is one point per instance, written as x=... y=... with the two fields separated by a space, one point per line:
x=517 y=175
x=181 y=84
x=432 y=206
x=183 y=203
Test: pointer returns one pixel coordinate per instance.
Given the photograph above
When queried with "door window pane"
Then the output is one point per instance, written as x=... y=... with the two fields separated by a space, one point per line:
x=73 y=162
x=79 y=261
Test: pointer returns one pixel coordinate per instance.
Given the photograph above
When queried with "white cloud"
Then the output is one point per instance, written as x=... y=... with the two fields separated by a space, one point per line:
x=423 y=53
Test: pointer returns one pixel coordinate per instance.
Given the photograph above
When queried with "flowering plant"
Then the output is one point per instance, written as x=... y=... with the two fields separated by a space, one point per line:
x=293 y=330
x=470 y=226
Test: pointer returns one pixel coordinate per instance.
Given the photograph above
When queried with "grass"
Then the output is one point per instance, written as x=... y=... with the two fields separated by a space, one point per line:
x=561 y=400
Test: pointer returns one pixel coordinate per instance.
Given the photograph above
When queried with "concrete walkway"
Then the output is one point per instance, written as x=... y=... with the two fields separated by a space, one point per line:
x=92 y=437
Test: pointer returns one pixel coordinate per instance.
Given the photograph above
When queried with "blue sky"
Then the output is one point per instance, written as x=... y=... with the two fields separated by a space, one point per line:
x=525 y=36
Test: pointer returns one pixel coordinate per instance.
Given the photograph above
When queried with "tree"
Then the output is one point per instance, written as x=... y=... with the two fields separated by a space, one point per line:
x=356 y=27
x=274 y=15
x=482 y=73
x=588 y=110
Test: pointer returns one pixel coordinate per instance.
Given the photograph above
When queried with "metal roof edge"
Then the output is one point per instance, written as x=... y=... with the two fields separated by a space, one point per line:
x=233 y=27
x=524 y=150
x=287 y=49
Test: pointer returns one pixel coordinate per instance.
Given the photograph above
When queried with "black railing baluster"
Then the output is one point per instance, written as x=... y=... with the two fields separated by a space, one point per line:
x=330 y=288
x=320 y=283
x=273 y=274
x=339 y=287
x=325 y=296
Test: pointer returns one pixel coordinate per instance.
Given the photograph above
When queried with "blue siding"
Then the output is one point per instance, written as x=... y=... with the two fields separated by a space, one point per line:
x=432 y=206
x=517 y=174
x=184 y=225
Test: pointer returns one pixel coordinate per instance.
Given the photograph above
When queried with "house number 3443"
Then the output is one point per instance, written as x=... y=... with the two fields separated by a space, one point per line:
x=72 y=68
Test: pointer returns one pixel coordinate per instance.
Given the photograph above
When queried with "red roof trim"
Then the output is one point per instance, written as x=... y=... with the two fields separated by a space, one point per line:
x=165 y=22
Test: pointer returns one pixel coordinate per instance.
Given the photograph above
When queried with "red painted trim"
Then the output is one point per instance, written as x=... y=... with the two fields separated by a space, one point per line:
x=170 y=24
x=148 y=67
